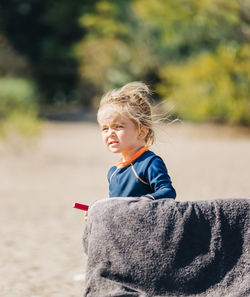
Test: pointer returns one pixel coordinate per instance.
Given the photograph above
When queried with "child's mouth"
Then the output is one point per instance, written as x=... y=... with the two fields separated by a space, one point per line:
x=113 y=142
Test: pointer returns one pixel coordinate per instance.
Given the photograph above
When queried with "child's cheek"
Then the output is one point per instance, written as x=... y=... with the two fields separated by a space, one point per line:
x=120 y=135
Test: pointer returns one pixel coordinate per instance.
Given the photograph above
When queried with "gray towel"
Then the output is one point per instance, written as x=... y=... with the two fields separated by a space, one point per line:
x=143 y=248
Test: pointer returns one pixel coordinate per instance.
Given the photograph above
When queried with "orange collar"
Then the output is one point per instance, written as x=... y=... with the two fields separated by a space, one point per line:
x=121 y=164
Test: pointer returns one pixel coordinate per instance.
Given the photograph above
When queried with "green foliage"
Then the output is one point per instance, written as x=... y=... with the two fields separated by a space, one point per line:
x=15 y=94
x=205 y=57
x=188 y=28
x=211 y=87
x=44 y=31
x=18 y=108
x=194 y=53
x=116 y=48
x=108 y=19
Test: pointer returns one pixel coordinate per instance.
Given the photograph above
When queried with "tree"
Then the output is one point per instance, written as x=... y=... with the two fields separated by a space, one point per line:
x=117 y=47
x=45 y=31
x=203 y=46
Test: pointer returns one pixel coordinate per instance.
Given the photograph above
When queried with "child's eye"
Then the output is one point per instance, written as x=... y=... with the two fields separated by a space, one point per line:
x=119 y=126
x=104 y=129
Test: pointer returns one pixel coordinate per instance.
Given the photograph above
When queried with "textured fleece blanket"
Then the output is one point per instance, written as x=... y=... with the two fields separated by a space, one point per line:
x=143 y=248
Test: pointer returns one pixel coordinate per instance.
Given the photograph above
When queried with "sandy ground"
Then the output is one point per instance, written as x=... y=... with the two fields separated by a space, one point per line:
x=41 y=234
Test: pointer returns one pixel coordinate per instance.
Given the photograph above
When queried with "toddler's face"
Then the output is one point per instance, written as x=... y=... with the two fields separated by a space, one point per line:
x=119 y=133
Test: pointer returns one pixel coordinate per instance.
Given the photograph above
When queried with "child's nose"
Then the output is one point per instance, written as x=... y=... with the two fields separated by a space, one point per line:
x=111 y=132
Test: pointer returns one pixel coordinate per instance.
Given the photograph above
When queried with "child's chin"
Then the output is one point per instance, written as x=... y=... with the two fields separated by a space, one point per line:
x=114 y=150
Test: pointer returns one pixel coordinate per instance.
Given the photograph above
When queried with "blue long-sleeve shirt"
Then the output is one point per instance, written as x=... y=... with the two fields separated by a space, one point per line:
x=146 y=175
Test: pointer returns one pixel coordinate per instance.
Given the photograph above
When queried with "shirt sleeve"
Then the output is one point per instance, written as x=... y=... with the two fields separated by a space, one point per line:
x=110 y=173
x=159 y=180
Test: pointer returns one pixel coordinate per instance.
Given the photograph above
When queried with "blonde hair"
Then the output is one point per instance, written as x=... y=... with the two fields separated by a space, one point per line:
x=133 y=100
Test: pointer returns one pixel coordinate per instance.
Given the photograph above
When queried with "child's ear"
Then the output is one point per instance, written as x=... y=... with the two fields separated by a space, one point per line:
x=143 y=132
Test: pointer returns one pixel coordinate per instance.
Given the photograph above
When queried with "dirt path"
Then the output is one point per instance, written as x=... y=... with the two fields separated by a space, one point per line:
x=41 y=248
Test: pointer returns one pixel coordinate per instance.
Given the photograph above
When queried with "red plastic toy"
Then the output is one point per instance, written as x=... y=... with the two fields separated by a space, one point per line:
x=81 y=206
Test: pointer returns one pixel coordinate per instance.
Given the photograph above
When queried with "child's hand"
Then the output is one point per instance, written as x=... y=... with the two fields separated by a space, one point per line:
x=145 y=197
x=86 y=216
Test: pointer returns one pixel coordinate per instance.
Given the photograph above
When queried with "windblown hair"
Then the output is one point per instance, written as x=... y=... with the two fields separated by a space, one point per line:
x=133 y=101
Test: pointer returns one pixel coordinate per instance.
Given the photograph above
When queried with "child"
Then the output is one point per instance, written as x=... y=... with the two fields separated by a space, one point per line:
x=125 y=119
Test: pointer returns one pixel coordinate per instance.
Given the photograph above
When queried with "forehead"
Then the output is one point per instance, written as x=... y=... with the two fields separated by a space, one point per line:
x=109 y=114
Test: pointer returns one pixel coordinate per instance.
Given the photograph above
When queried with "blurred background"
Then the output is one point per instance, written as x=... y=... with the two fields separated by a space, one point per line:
x=63 y=55
x=57 y=58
